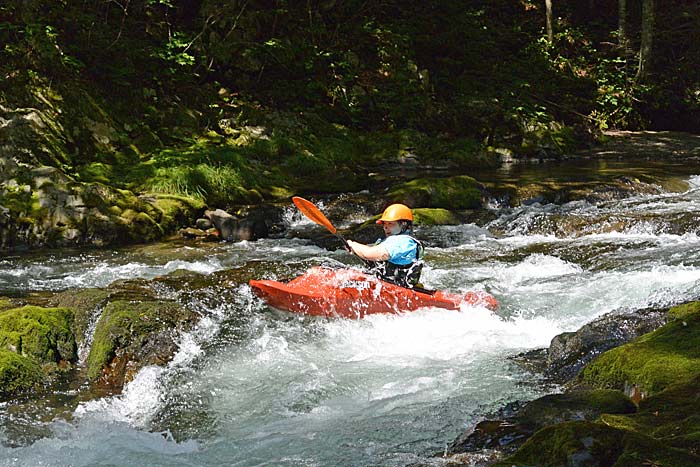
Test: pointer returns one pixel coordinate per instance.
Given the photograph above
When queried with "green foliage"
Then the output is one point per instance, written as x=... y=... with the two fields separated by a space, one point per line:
x=175 y=53
x=210 y=172
x=357 y=77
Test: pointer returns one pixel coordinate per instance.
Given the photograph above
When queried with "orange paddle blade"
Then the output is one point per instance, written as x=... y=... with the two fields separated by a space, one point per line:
x=310 y=210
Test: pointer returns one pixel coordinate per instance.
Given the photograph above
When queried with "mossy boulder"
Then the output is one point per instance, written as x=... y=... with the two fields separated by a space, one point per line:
x=569 y=352
x=132 y=333
x=17 y=374
x=42 y=334
x=83 y=303
x=671 y=416
x=36 y=345
x=589 y=444
x=51 y=209
x=652 y=362
x=575 y=405
x=454 y=193
x=680 y=312
x=176 y=211
x=509 y=433
x=435 y=216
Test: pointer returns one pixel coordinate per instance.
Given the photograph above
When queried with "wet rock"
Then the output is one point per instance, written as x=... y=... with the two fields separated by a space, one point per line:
x=588 y=444
x=571 y=351
x=651 y=363
x=234 y=229
x=224 y=222
x=203 y=224
x=36 y=344
x=131 y=334
x=456 y=193
x=518 y=422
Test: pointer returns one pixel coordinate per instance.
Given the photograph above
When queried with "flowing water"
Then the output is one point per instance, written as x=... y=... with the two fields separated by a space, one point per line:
x=253 y=386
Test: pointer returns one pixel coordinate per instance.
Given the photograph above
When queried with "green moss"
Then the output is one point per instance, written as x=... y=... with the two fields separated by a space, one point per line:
x=654 y=361
x=17 y=373
x=586 y=443
x=83 y=302
x=114 y=211
x=176 y=211
x=44 y=334
x=686 y=309
x=575 y=405
x=461 y=192
x=673 y=415
x=5 y=303
x=435 y=216
x=125 y=199
x=124 y=323
x=97 y=172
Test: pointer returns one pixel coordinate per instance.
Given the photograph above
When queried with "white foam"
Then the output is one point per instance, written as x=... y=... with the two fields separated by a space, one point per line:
x=135 y=406
x=536 y=266
x=410 y=339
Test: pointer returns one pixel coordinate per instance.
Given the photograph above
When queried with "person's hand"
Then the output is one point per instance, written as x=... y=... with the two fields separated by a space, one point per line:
x=348 y=246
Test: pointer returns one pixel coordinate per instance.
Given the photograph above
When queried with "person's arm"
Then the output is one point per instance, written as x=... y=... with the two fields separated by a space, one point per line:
x=370 y=253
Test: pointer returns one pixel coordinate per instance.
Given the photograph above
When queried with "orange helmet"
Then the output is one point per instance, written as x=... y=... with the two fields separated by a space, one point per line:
x=396 y=212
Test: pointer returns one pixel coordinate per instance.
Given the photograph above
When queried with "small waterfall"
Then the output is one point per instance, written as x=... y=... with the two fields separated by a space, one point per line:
x=84 y=348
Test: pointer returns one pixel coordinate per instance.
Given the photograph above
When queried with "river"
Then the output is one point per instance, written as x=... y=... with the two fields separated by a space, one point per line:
x=252 y=386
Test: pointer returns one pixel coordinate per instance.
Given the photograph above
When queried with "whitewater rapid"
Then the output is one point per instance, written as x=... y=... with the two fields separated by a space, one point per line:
x=252 y=386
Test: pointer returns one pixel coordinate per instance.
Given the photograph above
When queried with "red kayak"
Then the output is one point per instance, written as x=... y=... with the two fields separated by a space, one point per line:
x=351 y=293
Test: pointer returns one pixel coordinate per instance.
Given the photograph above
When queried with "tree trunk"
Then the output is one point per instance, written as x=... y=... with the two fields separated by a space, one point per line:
x=622 y=25
x=550 y=29
x=645 y=51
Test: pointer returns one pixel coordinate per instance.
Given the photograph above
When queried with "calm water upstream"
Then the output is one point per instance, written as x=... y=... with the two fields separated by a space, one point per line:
x=251 y=386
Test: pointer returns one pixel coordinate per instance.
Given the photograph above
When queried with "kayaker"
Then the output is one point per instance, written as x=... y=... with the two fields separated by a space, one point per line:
x=398 y=258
